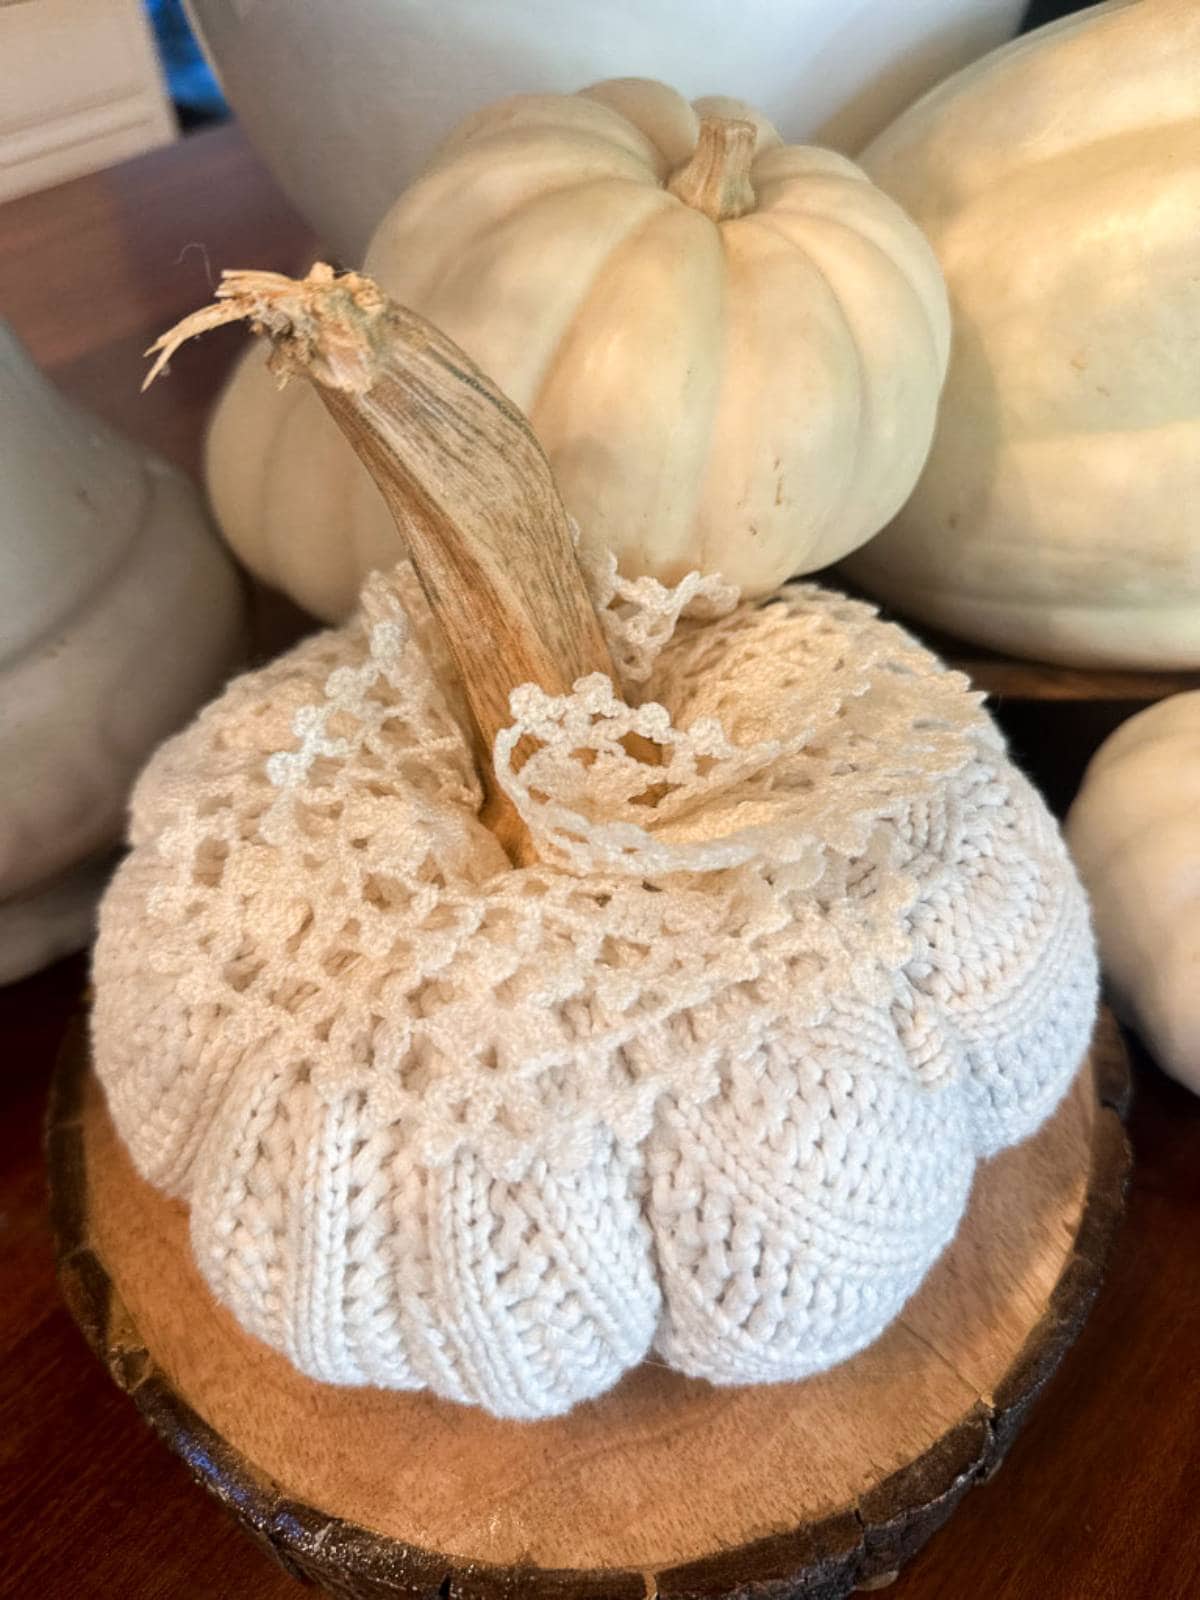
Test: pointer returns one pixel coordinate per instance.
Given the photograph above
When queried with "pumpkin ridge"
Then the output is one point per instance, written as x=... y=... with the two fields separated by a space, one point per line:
x=634 y=109
x=939 y=336
x=619 y=265
x=581 y=115
x=457 y=181
x=556 y=336
x=850 y=476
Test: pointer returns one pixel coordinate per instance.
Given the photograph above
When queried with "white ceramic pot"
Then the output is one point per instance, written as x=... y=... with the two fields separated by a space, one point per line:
x=120 y=613
x=346 y=101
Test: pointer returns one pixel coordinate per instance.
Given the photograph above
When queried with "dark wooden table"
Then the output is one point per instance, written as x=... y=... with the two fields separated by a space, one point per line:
x=1100 y=1499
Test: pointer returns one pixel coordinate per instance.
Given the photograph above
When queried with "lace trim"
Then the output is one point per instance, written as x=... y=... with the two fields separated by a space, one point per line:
x=321 y=877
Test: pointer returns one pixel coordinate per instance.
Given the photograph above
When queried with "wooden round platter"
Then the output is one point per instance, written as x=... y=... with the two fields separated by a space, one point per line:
x=663 y=1488
x=1006 y=678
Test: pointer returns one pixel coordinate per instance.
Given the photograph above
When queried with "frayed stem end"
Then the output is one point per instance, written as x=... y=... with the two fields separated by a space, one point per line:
x=323 y=324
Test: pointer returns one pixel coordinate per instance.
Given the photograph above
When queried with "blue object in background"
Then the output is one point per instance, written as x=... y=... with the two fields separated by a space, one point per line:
x=190 y=81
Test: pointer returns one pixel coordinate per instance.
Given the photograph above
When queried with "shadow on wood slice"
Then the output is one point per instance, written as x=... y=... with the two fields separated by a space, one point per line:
x=664 y=1487
x=1006 y=678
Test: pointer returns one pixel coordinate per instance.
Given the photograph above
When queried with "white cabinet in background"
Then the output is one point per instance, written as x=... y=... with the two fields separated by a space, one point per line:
x=80 y=88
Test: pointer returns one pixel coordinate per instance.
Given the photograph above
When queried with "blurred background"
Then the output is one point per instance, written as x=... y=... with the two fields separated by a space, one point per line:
x=87 y=83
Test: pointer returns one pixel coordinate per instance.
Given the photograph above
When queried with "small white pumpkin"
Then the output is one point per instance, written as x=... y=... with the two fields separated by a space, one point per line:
x=119 y=614
x=730 y=349
x=1059 y=183
x=1134 y=831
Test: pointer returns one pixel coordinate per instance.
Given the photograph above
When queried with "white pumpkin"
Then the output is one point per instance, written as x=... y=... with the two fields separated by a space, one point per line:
x=1059 y=182
x=119 y=614
x=695 y=1054
x=731 y=352
x=1134 y=831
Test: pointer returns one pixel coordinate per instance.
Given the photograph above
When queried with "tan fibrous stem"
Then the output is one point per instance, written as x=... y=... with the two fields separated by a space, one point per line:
x=325 y=327
x=466 y=481
x=716 y=179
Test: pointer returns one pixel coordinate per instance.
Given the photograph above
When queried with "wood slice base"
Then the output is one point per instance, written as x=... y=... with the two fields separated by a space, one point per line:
x=1006 y=678
x=665 y=1487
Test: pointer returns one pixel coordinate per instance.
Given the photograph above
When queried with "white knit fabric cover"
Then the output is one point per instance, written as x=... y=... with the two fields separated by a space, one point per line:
x=709 y=1081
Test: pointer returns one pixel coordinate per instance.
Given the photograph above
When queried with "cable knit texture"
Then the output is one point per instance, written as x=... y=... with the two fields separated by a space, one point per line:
x=710 y=1080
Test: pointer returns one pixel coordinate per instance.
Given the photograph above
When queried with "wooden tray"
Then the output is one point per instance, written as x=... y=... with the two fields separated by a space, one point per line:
x=665 y=1487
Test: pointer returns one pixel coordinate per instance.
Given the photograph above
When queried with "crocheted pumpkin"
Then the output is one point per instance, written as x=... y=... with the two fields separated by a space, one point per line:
x=795 y=945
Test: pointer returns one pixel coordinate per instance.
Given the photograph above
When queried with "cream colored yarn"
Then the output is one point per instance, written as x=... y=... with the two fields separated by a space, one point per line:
x=711 y=1080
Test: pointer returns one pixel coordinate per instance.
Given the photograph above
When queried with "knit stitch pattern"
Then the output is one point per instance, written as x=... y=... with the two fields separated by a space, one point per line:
x=709 y=1080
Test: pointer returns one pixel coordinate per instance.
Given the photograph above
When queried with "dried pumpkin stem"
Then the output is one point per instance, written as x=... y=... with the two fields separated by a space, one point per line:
x=716 y=180
x=464 y=478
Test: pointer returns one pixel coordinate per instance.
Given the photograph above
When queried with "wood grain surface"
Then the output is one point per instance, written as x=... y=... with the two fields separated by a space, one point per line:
x=1098 y=1497
x=649 y=1490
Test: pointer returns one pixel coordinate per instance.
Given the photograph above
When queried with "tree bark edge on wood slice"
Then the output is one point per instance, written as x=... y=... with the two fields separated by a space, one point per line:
x=860 y=1544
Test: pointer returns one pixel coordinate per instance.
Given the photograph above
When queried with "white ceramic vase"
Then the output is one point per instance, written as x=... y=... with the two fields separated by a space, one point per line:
x=346 y=101
x=120 y=613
